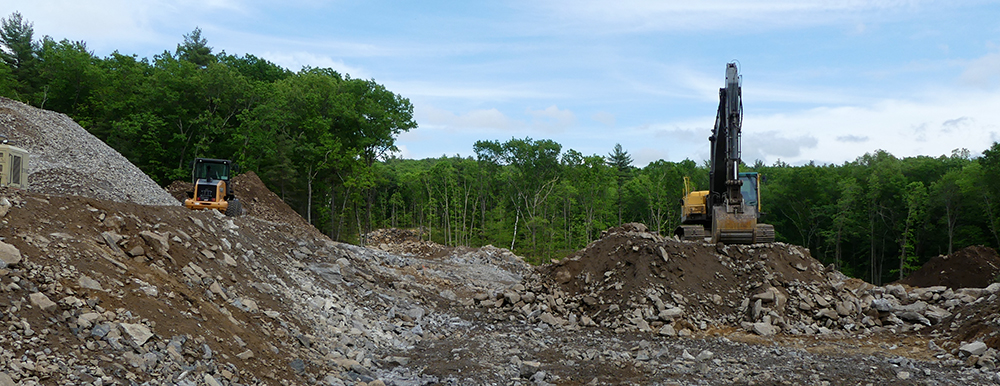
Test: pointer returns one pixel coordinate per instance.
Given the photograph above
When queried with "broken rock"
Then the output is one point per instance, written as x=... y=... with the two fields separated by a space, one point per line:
x=139 y=333
x=764 y=329
x=39 y=300
x=974 y=348
x=157 y=242
x=9 y=255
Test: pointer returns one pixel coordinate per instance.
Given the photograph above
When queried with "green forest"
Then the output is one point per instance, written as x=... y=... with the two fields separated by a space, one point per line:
x=325 y=143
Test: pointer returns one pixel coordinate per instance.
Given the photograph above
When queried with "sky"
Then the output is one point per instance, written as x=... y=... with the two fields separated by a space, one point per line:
x=823 y=81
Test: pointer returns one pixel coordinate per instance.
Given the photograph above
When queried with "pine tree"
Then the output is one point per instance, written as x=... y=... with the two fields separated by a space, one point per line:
x=622 y=162
x=195 y=49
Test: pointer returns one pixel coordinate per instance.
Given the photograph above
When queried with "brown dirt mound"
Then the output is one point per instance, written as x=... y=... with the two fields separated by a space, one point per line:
x=179 y=189
x=971 y=267
x=625 y=267
x=258 y=201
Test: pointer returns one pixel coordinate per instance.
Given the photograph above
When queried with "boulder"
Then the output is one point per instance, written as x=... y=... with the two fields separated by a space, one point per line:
x=974 y=348
x=43 y=302
x=764 y=329
x=157 y=242
x=138 y=332
x=9 y=255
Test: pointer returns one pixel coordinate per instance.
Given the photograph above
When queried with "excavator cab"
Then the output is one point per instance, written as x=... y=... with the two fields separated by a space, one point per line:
x=212 y=189
x=750 y=189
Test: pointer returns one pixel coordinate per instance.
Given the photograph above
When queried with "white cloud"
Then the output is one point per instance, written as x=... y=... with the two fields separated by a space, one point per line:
x=117 y=24
x=484 y=92
x=296 y=60
x=491 y=119
x=551 y=119
x=604 y=117
x=404 y=152
x=853 y=138
x=642 y=15
x=645 y=155
x=769 y=145
x=932 y=126
x=982 y=72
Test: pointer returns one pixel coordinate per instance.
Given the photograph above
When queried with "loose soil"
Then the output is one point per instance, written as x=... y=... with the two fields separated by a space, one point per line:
x=970 y=267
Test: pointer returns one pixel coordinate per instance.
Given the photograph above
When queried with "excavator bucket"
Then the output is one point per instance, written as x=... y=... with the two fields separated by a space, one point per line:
x=739 y=228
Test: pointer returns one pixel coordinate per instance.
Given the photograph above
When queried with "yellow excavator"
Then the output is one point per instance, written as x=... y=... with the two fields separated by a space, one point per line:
x=212 y=188
x=729 y=210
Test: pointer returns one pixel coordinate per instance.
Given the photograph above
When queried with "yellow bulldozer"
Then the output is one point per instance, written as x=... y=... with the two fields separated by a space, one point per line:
x=212 y=187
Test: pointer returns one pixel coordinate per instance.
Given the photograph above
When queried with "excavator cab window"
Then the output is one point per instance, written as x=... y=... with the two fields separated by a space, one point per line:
x=749 y=189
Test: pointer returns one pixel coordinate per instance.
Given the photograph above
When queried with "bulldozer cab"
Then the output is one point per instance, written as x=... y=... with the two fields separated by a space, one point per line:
x=210 y=169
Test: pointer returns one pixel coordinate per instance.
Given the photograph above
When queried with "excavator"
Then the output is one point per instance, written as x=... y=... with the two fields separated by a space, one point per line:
x=212 y=189
x=728 y=212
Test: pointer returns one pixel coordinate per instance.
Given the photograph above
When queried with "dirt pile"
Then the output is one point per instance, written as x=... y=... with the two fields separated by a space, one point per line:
x=257 y=201
x=406 y=242
x=66 y=159
x=166 y=295
x=970 y=267
x=392 y=236
x=632 y=280
x=635 y=280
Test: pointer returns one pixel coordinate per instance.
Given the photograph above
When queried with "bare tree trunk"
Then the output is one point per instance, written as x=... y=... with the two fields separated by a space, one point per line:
x=951 y=227
x=333 y=210
x=517 y=217
x=361 y=235
x=309 y=184
x=871 y=247
x=836 y=255
x=902 y=254
x=464 y=238
x=992 y=218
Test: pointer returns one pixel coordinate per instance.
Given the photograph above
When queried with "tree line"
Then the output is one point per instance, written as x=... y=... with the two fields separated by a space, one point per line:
x=878 y=217
x=325 y=143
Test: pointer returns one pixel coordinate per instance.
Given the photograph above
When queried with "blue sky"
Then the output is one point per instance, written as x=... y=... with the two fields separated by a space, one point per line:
x=823 y=81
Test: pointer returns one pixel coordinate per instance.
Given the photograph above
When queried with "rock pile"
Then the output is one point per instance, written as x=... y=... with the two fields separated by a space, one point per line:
x=632 y=280
x=100 y=293
x=392 y=236
x=66 y=159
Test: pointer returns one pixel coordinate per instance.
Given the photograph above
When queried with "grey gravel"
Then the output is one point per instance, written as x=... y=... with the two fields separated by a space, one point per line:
x=66 y=159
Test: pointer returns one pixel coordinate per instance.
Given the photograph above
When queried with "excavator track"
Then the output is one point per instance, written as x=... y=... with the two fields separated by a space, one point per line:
x=763 y=233
x=690 y=232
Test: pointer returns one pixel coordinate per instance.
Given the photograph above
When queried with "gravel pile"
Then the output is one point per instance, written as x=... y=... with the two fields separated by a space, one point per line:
x=66 y=159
